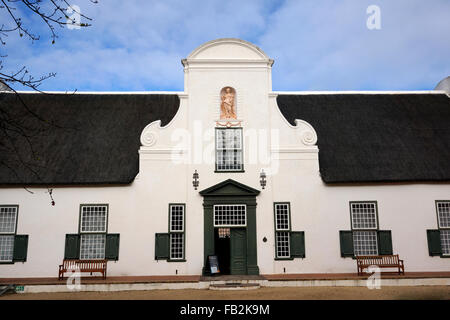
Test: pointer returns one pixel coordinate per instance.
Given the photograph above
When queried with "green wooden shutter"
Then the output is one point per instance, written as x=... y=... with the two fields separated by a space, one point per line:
x=434 y=242
x=20 y=248
x=297 y=240
x=72 y=247
x=112 y=246
x=346 y=240
x=384 y=242
x=161 y=246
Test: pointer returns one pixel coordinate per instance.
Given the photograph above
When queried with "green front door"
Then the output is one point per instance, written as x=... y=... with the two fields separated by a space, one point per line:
x=238 y=248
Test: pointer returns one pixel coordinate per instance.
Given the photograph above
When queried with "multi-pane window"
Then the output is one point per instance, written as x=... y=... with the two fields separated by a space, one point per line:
x=364 y=226
x=176 y=231
x=93 y=222
x=282 y=230
x=230 y=215
x=443 y=212
x=8 y=222
x=229 y=149
x=224 y=233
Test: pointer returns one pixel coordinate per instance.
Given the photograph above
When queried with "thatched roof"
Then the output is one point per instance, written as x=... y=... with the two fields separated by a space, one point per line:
x=92 y=139
x=377 y=137
x=95 y=138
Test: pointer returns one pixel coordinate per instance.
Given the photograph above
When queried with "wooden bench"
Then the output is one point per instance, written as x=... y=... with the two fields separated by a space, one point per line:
x=385 y=261
x=82 y=266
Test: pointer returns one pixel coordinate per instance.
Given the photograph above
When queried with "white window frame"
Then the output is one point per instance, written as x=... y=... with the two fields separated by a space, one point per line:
x=10 y=233
x=374 y=230
x=229 y=225
x=288 y=228
x=182 y=217
x=355 y=234
x=279 y=230
x=231 y=149
x=441 y=227
x=84 y=234
x=375 y=214
x=106 y=218
x=179 y=233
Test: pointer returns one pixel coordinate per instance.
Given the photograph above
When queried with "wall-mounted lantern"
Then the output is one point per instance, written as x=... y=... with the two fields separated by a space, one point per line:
x=262 y=180
x=195 y=180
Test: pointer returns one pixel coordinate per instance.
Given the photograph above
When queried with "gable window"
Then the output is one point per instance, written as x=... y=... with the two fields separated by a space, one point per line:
x=365 y=238
x=176 y=231
x=439 y=240
x=13 y=247
x=288 y=244
x=229 y=149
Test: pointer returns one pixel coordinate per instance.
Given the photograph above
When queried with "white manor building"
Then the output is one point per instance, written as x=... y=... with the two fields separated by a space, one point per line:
x=269 y=182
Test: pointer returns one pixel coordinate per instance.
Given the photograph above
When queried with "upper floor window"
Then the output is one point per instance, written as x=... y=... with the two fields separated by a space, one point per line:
x=229 y=149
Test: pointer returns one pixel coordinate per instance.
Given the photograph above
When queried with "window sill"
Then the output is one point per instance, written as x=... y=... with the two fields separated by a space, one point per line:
x=229 y=171
x=176 y=260
x=284 y=259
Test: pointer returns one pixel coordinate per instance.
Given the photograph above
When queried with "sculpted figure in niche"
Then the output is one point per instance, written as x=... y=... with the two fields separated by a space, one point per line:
x=228 y=106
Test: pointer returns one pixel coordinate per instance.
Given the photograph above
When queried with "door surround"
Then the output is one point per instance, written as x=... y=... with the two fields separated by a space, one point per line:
x=230 y=192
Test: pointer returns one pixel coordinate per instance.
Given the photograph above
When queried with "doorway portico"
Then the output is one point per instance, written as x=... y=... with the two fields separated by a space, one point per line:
x=231 y=207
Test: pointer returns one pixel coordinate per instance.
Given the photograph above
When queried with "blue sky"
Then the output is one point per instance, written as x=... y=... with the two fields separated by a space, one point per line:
x=316 y=44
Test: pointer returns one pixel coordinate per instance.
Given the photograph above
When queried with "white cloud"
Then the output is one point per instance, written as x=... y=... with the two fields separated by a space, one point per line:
x=316 y=44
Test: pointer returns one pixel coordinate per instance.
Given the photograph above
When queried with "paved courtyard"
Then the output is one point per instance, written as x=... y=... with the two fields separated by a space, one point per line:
x=285 y=293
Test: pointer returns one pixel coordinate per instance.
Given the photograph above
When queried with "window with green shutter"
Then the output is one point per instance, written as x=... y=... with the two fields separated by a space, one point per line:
x=346 y=242
x=288 y=244
x=176 y=231
x=161 y=246
x=434 y=242
x=92 y=240
x=72 y=246
x=365 y=238
x=439 y=240
x=20 y=248
x=297 y=244
x=13 y=247
x=112 y=246
x=384 y=242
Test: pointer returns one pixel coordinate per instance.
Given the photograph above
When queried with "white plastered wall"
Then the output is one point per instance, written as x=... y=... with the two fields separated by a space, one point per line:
x=139 y=210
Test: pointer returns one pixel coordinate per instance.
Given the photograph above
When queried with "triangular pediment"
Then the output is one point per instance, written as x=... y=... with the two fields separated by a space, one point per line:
x=229 y=188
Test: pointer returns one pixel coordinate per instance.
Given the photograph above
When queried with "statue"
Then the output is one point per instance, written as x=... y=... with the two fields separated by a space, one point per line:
x=227 y=107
